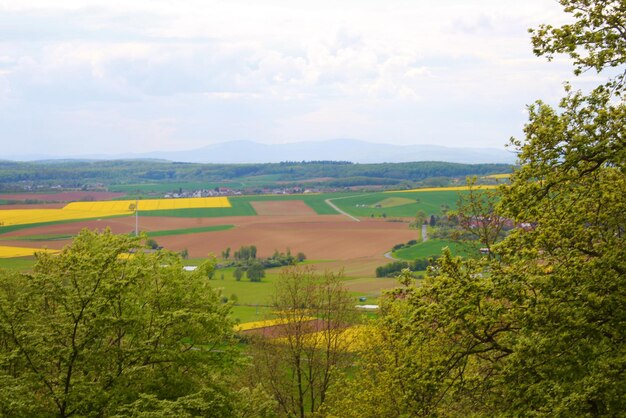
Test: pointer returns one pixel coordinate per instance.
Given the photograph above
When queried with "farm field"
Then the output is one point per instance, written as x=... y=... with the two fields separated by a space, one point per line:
x=150 y=204
x=433 y=247
x=442 y=189
x=11 y=216
x=13 y=252
x=299 y=223
x=401 y=204
x=18 y=263
x=60 y=197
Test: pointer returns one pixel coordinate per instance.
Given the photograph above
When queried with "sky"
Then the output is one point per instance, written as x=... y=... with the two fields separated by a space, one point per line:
x=106 y=77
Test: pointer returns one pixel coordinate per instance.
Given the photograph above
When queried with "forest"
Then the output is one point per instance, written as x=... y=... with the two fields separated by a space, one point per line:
x=78 y=174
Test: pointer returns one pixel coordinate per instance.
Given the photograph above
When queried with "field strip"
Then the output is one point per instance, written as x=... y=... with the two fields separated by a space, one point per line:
x=268 y=323
x=12 y=252
x=99 y=209
x=332 y=205
x=187 y=231
x=446 y=189
x=151 y=204
x=35 y=216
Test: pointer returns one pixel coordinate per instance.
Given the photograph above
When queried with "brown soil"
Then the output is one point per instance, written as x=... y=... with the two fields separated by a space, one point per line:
x=62 y=196
x=356 y=247
x=282 y=208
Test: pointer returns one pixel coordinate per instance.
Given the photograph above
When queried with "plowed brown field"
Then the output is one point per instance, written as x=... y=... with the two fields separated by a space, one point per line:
x=282 y=208
x=356 y=247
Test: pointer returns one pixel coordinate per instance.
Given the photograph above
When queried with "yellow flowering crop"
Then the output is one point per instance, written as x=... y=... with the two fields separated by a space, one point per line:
x=151 y=204
x=267 y=323
x=10 y=252
x=86 y=210
x=33 y=216
x=498 y=176
x=351 y=339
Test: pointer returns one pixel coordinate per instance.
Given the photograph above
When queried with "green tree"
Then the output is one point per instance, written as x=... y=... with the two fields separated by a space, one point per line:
x=152 y=244
x=595 y=39
x=540 y=330
x=238 y=273
x=103 y=326
x=255 y=272
x=313 y=311
x=476 y=213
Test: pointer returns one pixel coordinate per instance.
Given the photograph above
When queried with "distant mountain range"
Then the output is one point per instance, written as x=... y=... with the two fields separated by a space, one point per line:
x=336 y=150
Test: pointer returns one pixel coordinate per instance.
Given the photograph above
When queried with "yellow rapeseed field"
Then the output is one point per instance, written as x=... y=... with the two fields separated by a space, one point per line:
x=10 y=252
x=267 y=323
x=86 y=210
x=444 y=189
x=34 y=216
x=352 y=339
x=150 y=204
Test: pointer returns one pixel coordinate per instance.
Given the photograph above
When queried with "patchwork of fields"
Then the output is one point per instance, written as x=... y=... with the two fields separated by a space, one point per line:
x=202 y=226
x=209 y=225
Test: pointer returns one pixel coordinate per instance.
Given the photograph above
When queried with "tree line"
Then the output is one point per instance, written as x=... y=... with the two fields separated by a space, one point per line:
x=74 y=174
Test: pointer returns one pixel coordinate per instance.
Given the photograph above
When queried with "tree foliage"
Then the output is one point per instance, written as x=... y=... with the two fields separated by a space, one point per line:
x=299 y=367
x=104 y=328
x=596 y=39
x=540 y=330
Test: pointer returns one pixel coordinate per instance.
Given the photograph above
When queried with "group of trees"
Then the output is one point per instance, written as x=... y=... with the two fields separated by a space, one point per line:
x=103 y=330
x=76 y=174
x=247 y=263
x=539 y=330
x=395 y=267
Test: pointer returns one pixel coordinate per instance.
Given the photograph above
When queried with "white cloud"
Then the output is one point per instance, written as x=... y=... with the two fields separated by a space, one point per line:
x=156 y=73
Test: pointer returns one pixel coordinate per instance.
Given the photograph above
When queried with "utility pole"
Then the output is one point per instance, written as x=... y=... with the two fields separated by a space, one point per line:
x=136 y=217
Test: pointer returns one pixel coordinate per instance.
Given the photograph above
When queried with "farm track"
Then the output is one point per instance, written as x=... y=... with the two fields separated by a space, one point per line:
x=389 y=256
x=332 y=205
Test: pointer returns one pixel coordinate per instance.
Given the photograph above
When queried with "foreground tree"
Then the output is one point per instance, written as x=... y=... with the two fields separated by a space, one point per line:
x=103 y=329
x=541 y=330
x=299 y=365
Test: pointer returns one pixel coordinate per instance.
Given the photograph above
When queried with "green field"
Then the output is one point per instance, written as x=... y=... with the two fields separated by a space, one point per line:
x=40 y=237
x=240 y=206
x=433 y=248
x=187 y=231
x=430 y=202
x=392 y=202
x=18 y=263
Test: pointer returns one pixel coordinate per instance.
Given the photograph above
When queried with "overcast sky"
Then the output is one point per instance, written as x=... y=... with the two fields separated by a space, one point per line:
x=91 y=76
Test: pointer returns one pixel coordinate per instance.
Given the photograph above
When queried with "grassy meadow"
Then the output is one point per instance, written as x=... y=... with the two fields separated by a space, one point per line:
x=433 y=248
